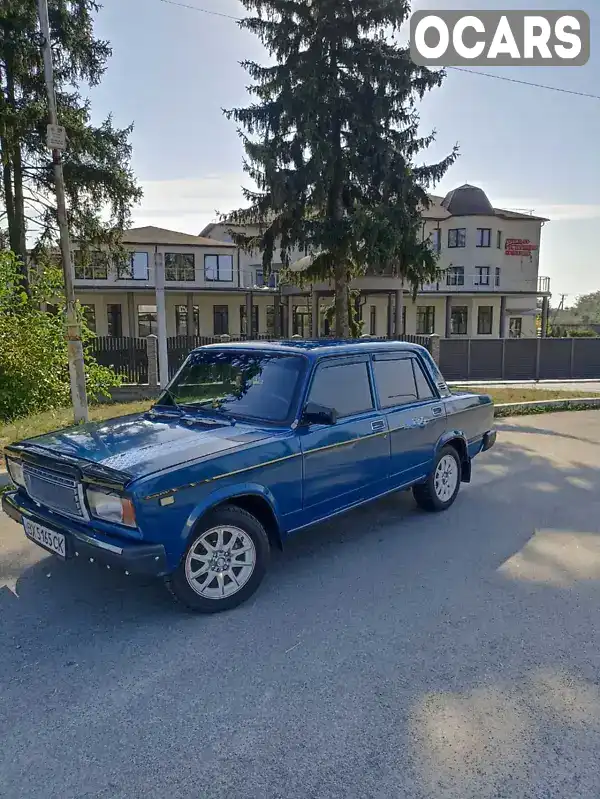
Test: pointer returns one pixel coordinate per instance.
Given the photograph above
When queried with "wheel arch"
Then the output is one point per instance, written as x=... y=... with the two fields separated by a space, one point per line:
x=457 y=440
x=253 y=498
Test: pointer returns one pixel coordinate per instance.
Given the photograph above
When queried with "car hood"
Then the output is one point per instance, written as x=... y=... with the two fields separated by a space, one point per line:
x=142 y=444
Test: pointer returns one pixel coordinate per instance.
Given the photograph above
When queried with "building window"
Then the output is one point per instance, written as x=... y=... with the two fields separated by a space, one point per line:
x=457 y=237
x=271 y=320
x=135 y=267
x=482 y=276
x=436 y=240
x=91 y=265
x=243 y=322
x=147 y=321
x=515 y=327
x=89 y=314
x=180 y=267
x=115 y=321
x=485 y=320
x=221 y=320
x=302 y=321
x=425 y=320
x=373 y=321
x=499 y=239
x=497 y=277
x=272 y=282
x=181 y=320
x=459 y=318
x=218 y=268
x=455 y=276
x=484 y=237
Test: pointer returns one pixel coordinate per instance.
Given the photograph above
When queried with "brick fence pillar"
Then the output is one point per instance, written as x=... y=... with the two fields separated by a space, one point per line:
x=434 y=340
x=152 y=352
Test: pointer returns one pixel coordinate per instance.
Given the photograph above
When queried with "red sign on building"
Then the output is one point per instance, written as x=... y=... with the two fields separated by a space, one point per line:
x=519 y=247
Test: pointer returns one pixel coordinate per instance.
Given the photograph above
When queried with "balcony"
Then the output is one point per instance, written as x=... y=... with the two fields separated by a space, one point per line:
x=254 y=279
x=475 y=283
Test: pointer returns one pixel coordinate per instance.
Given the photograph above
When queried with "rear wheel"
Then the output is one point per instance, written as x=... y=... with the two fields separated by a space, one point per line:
x=441 y=488
x=224 y=564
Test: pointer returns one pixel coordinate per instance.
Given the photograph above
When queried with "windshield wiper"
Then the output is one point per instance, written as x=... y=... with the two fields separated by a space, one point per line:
x=203 y=407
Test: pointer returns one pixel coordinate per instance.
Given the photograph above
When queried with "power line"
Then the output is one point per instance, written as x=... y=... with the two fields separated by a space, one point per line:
x=525 y=82
x=457 y=69
x=201 y=10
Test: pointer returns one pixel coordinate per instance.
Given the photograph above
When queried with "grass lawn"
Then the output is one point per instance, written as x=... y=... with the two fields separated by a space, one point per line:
x=506 y=394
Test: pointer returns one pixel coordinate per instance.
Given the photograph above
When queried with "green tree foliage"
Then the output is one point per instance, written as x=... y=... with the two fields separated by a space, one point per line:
x=332 y=141
x=34 y=372
x=100 y=185
x=587 y=308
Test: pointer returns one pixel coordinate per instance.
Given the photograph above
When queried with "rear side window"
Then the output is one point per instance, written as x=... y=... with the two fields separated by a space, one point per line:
x=400 y=382
x=423 y=387
x=345 y=387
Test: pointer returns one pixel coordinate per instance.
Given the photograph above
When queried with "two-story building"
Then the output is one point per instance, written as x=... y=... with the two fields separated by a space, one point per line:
x=489 y=285
x=207 y=289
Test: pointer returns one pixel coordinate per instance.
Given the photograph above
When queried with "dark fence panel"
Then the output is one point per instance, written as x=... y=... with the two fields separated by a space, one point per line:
x=454 y=358
x=128 y=357
x=555 y=358
x=586 y=358
x=486 y=359
x=520 y=359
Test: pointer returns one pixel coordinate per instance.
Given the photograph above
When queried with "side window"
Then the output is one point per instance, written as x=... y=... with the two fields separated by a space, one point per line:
x=395 y=382
x=423 y=387
x=345 y=387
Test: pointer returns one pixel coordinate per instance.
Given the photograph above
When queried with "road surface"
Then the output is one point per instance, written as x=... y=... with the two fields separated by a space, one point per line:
x=389 y=654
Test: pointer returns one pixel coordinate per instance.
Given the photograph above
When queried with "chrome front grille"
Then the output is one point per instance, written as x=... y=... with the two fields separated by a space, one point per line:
x=55 y=491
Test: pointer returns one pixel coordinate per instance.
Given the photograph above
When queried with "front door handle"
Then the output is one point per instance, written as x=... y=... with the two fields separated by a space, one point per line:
x=378 y=426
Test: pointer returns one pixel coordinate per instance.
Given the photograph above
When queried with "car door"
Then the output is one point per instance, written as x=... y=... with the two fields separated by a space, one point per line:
x=414 y=413
x=347 y=462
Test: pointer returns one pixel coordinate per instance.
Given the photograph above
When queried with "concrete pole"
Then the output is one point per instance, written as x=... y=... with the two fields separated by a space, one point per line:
x=502 y=317
x=315 y=314
x=448 y=331
x=249 y=315
x=161 y=318
x=399 y=312
x=545 y=314
x=191 y=330
x=74 y=343
x=390 y=316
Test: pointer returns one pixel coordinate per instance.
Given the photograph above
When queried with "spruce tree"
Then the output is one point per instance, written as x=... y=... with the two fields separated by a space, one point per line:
x=99 y=182
x=331 y=142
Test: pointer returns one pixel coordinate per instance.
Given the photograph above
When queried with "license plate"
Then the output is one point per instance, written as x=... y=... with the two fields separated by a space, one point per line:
x=49 y=539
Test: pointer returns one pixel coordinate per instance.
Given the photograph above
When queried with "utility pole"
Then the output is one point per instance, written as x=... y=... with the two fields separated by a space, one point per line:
x=56 y=141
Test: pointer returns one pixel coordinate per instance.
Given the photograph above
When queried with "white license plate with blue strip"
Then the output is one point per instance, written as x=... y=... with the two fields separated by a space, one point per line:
x=49 y=539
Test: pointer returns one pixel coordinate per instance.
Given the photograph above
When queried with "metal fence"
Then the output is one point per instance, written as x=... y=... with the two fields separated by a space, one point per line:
x=520 y=359
x=128 y=357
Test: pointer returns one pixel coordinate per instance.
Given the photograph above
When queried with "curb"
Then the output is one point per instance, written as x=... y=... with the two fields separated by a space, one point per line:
x=546 y=406
x=4 y=479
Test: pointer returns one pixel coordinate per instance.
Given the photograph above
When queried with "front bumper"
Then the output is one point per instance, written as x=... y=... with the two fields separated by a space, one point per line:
x=134 y=558
x=489 y=439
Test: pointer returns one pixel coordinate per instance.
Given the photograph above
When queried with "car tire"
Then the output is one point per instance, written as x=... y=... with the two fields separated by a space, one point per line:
x=441 y=488
x=224 y=563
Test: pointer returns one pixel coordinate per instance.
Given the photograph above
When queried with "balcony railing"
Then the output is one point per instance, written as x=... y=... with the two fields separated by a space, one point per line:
x=470 y=283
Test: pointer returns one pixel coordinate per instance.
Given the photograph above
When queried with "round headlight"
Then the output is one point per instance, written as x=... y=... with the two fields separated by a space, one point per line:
x=15 y=472
x=110 y=507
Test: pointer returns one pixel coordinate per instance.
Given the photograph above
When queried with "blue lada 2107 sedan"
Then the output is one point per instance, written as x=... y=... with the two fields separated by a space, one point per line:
x=249 y=444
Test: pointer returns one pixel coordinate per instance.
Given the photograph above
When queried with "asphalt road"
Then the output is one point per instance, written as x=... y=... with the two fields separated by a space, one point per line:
x=389 y=654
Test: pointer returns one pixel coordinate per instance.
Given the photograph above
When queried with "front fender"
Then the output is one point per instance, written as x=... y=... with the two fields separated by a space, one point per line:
x=223 y=494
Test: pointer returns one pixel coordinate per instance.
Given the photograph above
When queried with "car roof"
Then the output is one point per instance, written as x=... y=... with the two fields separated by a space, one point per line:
x=317 y=348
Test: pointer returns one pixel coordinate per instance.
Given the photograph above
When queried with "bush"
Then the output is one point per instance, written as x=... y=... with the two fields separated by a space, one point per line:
x=34 y=372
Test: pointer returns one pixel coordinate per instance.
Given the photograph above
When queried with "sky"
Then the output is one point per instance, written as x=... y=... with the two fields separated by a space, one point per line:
x=174 y=70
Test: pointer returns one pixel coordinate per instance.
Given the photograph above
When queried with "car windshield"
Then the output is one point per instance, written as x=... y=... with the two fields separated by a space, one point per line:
x=257 y=385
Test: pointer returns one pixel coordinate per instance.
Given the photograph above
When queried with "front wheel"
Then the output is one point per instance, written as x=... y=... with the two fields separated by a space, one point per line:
x=224 y=564
x=443 y=484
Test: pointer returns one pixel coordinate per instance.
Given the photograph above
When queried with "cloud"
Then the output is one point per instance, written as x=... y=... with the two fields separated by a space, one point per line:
x=559 y=212
x=190 y=204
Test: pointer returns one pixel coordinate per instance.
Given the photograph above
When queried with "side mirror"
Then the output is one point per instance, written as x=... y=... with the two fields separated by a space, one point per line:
x=319 y=414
